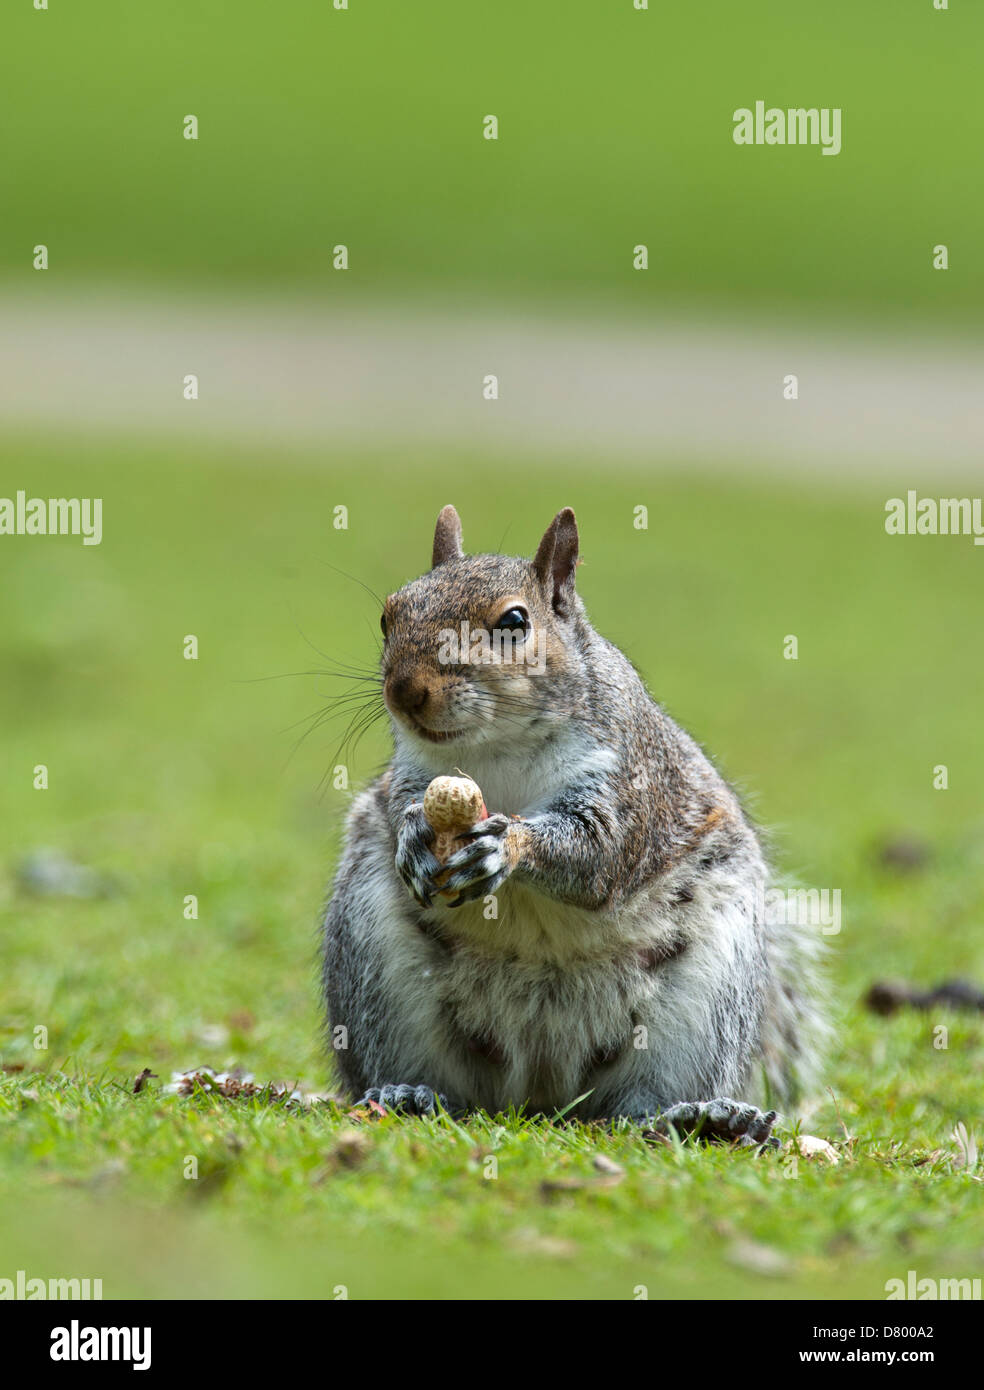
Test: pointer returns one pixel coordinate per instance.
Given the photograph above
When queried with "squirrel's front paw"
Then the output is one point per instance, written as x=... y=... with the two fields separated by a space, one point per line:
x=728 y=1121
x=403 y=1100
x=415 y=863
x=488 y=858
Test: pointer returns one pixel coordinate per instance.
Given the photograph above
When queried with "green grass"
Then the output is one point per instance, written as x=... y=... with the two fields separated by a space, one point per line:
x=172 y=777
x=364 y=127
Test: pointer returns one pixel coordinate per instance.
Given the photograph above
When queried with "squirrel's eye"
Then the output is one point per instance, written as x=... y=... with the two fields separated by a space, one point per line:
x=513 y=619
x=382 y=623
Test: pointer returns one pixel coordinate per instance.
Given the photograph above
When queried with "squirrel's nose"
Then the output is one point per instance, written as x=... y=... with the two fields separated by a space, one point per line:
x=408 y=693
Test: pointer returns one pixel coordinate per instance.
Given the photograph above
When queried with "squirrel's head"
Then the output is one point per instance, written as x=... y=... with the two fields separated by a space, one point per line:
x=483 y=649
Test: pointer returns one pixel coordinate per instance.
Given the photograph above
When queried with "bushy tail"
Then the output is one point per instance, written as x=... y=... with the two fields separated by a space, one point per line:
x=795 y=1030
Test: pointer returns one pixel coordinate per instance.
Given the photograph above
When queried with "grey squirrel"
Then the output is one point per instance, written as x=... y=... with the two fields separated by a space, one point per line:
x=607 y=938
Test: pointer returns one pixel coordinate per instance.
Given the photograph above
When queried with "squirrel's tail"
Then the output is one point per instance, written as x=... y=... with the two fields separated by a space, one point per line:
x=795 y=1028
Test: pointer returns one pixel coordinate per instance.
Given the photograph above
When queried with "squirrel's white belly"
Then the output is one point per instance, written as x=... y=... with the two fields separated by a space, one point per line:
x=545 y=1000
x=550 y=1000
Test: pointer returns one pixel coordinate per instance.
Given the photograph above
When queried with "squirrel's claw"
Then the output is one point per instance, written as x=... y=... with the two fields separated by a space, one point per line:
x=480 y=889
x=480 y=866
x=494 y=825
x=728 y=1121
x=403 y=1099
x=415 y=863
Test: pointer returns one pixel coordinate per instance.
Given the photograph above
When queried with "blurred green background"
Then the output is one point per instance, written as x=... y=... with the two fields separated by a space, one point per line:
x=364 y=127
x=170 y=777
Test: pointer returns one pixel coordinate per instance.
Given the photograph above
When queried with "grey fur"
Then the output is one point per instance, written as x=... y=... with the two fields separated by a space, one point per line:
x=629 y=958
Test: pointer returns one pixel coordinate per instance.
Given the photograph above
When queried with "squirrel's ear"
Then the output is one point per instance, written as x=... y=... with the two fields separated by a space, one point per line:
x=556 y=561
x=447 y=538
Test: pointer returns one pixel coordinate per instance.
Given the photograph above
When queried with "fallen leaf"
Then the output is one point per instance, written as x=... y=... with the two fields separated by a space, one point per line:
x=809 y=1146
x=363 y=1112
x=237 y=1085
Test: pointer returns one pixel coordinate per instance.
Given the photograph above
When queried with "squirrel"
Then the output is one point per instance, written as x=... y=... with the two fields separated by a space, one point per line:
x=600 y=937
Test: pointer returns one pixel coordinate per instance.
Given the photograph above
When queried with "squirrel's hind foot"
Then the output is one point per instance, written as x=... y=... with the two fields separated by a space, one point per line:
x=721 y=1121
x=403 y=1100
